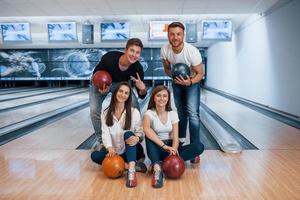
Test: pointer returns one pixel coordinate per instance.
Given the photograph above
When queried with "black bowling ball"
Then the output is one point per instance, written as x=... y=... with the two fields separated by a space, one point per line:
x=181 y=69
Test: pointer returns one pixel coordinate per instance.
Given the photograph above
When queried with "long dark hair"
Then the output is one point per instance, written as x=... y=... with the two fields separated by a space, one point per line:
x=112 y=107
x=156 y=90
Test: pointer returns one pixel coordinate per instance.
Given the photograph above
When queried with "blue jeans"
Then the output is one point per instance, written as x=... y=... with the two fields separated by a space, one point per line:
x=132 y=153
x=96 y=100
x=186 y=152
x=187 y=101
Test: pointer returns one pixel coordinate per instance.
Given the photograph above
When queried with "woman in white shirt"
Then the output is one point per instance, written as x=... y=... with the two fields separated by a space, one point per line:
x=122 y=132
x=161 y=129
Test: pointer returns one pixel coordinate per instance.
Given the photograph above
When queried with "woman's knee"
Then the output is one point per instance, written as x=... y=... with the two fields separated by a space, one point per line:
x=128 y=134
x=95 y=157
x=199 y=147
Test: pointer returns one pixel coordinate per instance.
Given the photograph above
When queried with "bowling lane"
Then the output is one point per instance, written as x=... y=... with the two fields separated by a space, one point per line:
x=18 y=90
x=205 y=136
x=18 y=102
x=14 y=116
x=5 y=89
x=36 y=92
x=66 y=133
x=262 y=131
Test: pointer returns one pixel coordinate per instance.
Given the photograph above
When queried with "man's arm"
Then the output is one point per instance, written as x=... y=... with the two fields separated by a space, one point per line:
x=198 y=69
x=142 y=93
x=167 y=67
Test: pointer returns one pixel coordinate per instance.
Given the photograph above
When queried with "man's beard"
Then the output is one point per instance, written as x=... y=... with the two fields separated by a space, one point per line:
x=176 y=44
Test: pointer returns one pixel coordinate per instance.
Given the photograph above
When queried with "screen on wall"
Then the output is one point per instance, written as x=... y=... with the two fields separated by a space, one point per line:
x=216 y=29
x=62 y=31
x=158 y=30
x=114 y=31
x=16 y=32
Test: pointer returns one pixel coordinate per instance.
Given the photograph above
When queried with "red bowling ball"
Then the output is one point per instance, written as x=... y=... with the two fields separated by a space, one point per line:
x=173 y=166
x=101 y=78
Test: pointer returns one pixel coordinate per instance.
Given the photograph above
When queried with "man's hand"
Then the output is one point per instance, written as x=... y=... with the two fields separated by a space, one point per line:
x=181 y=81
x=104 y=89
x=138 y=82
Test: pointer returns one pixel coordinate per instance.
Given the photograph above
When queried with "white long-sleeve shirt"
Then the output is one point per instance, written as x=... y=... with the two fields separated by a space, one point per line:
x=113 y=136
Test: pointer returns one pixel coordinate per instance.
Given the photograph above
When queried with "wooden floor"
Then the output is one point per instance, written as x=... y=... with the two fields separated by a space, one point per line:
x=69 y=174
x=45 y=165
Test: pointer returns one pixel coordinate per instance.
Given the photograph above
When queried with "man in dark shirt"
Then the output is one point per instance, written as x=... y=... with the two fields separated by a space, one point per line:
x=122 y=67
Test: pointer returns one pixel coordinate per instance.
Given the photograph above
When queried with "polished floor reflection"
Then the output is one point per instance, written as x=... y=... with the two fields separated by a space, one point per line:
x=45 y=165
x=69 y=174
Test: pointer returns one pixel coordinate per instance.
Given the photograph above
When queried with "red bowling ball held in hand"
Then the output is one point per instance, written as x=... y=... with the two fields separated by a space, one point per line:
x=101 y=78
x=173 y=166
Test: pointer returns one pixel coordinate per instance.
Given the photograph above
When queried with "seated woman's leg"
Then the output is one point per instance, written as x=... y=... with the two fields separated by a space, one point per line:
x=140 y=155
x=153 y=151
x=131 y=151
x=190 y=151
x=98 y=156
x=156 y=154
x=133 y=154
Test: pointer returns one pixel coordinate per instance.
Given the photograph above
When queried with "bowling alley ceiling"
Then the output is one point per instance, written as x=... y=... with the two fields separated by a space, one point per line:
x=137 y=12
x=132 y=7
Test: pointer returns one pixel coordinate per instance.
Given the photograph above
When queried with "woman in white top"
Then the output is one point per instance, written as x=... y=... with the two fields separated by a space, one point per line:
x=161 y=129
x=122 y=132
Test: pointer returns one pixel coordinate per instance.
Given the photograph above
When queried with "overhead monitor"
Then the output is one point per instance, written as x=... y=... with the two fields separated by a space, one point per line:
x=220 y=29
x=158 y=30
x=114 y=31
x=62 y=32
x=16 y=32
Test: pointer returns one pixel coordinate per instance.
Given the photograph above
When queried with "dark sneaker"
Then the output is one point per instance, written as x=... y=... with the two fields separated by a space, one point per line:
x=196 y=160
x=131 y=179
x=140 y=167
x=157 y=179
x=142 y=159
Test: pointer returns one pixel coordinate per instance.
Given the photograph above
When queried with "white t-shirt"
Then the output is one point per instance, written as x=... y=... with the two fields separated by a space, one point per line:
x=113 y=136
x=162 y=130
x=189 y=55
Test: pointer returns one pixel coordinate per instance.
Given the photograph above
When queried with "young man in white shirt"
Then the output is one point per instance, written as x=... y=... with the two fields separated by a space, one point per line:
x=186 y=89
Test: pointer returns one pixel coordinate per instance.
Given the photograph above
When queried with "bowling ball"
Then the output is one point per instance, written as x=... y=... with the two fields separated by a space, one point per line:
x=173 y=166
x=113 y=166
x=100 y=78
x=180 y=69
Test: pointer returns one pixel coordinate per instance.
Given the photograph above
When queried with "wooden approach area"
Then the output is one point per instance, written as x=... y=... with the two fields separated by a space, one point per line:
x=45 y=165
